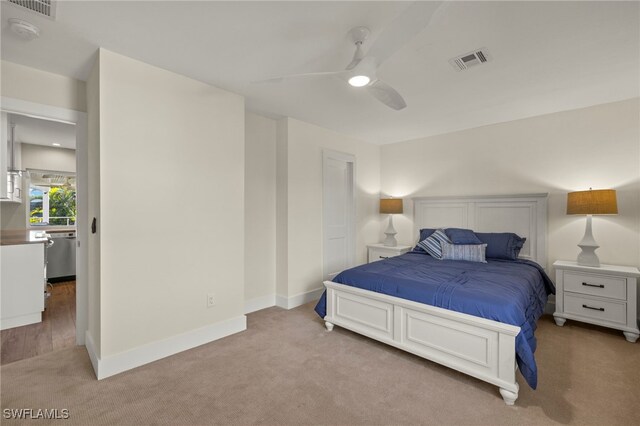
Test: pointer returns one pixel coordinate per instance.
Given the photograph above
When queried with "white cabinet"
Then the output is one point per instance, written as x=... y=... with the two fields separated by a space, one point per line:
x=604 y=296
x=14 y=188
x=22 y=285
x=10 y=183
x=381 y=252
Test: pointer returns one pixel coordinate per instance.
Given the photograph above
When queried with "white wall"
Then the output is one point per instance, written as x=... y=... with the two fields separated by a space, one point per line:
x=48 y=158
x=32 y=85
x=41 y=87
x=260 y=211
x=171 y=156
x=28 y=156
x=93 y=209
x=303 y=144
x=557 y=153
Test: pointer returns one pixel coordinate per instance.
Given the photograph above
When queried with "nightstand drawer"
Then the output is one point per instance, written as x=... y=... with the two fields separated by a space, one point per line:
x=595 y=308
x=375 y=255
x=596 y=285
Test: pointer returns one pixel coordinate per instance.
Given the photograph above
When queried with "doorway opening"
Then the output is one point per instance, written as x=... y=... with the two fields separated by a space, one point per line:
x=46 y=197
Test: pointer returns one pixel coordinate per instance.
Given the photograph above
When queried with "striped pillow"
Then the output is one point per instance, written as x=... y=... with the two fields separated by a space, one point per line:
x=470 y=252
x=433 y=243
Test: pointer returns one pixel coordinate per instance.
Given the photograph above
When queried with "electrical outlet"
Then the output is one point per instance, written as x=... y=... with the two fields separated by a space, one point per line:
x=211 y=301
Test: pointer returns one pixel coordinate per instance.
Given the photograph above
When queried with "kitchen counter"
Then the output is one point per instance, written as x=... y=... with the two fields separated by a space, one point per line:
x=22 y=236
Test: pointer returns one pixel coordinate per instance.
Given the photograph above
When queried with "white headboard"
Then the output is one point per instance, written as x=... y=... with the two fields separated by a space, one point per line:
x=525 y=215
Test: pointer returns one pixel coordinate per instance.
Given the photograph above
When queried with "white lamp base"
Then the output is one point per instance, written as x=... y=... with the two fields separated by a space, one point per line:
x=390 y=232
x=587 y=256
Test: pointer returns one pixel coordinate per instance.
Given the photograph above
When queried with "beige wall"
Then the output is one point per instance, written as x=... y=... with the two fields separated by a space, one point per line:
x=41 y=87
x=592 y=147
x=304 y=144
x=171 y=204
x=260 y=207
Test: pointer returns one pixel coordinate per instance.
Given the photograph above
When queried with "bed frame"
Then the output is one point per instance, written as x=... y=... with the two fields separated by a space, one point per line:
x=475 y=346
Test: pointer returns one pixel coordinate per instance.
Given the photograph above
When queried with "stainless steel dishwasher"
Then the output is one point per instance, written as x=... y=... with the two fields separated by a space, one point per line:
x=61 y=256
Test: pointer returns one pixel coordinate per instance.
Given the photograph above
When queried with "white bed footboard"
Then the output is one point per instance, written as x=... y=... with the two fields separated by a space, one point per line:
x=475 y=346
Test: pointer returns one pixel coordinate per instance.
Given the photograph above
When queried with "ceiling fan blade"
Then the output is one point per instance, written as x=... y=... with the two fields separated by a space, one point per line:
x=357 y=57
x=304 y=75
x=387 y=95
x=404 y=27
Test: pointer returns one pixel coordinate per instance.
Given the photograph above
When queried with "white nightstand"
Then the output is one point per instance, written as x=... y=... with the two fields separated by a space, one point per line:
x=380 y=251
x=604 y=296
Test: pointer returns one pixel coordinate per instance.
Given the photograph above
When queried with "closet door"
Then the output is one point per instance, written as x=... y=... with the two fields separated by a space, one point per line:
x=338 y=213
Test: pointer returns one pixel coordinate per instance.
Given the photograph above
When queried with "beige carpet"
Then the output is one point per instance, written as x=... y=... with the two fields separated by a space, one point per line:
x=286 y=369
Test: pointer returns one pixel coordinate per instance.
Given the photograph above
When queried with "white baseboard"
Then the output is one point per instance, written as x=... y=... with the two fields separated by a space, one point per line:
x=259 y=303
x=91 y=349
x=114 y=364
x=298 y=299
x=21 y=320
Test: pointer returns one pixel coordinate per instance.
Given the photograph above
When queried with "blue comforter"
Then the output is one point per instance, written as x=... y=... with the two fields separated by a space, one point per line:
x=511 y=292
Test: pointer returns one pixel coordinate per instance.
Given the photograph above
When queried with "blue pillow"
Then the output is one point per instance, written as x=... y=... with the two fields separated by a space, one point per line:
x=501 y=245
x=462 y=236
x=433 y=243
x=424 y=234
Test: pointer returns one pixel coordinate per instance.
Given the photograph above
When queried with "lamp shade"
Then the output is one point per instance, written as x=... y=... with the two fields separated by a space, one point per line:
x=600 y=201
x=391 y=206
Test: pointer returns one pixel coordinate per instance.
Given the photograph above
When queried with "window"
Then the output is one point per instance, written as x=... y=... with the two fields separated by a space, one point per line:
x=55 y=205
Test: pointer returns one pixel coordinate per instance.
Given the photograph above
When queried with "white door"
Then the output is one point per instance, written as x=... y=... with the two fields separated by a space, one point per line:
x=338 y=213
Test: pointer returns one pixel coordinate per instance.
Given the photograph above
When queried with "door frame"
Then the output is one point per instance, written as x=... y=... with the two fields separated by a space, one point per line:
x=350 y=159
x=79 y=119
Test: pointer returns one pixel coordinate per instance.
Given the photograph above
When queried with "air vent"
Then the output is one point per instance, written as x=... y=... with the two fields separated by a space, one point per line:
x=471 y=59
x=41 y=7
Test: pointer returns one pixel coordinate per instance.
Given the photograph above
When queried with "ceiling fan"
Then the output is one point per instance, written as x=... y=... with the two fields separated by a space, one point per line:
x=361 y=72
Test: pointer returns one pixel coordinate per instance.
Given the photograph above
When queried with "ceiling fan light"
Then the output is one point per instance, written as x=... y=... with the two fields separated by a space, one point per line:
x=359 y=80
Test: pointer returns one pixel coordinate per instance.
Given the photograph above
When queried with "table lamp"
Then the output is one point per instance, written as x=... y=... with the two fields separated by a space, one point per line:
x=390 y=206
x=600 y=201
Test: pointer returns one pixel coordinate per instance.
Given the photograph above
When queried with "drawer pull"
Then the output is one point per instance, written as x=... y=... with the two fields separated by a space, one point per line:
x=594 y=285
x=591 y=307
x=383 y=257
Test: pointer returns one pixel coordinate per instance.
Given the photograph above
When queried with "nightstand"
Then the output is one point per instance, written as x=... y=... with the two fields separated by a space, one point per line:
x=604 y=296
x=380 y=251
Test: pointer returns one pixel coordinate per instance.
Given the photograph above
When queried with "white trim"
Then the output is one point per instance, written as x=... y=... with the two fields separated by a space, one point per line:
x=21 y=320
x=259 y=303
x=299 y=299
x=31 y=109
x=79 y=119
x=114 y=364
x=91 y=350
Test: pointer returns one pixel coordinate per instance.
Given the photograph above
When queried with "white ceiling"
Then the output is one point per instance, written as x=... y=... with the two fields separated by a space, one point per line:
x=36 y=131
x=548 y=56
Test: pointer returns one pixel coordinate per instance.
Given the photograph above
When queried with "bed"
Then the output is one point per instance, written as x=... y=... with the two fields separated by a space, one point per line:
x=486 y=334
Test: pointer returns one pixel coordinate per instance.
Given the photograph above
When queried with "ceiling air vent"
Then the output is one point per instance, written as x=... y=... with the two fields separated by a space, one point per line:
x=471 y=59
x=41 y=7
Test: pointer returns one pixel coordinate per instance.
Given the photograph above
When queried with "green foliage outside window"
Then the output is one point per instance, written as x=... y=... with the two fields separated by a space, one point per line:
x=62 y=206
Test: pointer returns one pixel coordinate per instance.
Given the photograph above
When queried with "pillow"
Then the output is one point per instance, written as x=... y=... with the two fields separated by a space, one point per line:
x=501 y=245
x=470 y=252
x=433 y=243
x=424 y=234
x=462 y=236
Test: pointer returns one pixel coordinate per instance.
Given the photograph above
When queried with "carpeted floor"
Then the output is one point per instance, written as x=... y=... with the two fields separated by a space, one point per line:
x=286 y=369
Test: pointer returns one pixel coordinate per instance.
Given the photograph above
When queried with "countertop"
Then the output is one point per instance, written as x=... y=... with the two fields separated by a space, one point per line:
x=22 y=236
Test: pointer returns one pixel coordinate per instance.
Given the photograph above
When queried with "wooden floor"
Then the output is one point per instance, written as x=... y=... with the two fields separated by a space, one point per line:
x=56 y=331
